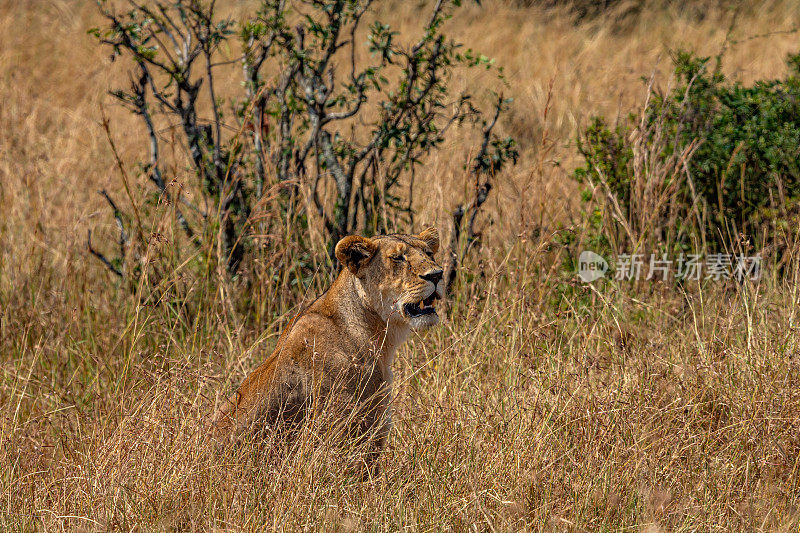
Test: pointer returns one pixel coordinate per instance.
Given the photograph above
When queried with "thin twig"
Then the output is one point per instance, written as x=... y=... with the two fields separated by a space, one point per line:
x=100 y=256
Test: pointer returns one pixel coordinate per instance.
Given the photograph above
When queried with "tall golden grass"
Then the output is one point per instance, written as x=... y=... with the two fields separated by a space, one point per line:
x=539 y=404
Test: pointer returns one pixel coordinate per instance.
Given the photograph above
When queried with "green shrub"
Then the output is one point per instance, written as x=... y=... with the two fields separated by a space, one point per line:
x=312 y=145
x=711 y=159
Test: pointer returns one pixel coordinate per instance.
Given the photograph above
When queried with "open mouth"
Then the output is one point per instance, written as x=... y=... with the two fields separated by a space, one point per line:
x=423 y=307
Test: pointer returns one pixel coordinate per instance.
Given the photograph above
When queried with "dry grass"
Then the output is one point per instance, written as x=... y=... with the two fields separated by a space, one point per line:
x=539 y=404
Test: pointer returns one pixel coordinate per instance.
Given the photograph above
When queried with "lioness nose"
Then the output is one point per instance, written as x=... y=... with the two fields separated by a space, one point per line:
x=434 y=276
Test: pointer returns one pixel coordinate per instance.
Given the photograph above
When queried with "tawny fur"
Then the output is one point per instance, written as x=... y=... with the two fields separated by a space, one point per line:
x=339 y=350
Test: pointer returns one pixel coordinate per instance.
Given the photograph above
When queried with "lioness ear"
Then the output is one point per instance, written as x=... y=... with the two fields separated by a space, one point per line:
x=354 y=252
x=431 y=238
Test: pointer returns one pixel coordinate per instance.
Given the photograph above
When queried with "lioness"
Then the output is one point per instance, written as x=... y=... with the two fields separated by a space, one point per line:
x=339 y=349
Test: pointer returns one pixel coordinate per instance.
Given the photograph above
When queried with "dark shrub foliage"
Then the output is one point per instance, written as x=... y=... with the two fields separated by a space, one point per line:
x=739 y=170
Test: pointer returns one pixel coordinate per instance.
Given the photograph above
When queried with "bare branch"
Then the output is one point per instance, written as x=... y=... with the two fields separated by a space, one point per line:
x=455 y=251
x=123 y=235
x=100 y=256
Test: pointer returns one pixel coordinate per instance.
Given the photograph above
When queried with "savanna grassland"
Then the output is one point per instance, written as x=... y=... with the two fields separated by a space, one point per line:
x=540 y=403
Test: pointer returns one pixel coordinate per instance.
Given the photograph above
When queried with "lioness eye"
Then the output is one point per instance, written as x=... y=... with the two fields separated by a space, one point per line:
x=398 y=258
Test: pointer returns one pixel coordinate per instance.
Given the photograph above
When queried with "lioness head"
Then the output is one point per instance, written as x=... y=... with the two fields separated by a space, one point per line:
x=398 y=275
